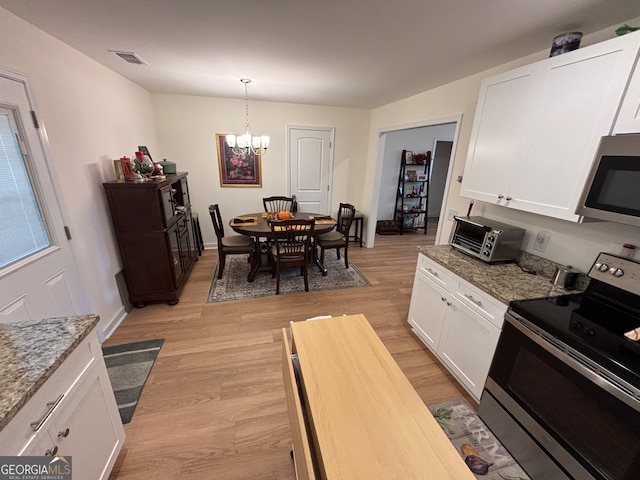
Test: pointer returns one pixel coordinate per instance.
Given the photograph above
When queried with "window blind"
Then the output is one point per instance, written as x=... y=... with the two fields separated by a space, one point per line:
x=22 y=228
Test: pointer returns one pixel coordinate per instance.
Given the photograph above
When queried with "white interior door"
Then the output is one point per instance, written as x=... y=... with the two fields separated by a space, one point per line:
x=38 y=274
x=310 y=155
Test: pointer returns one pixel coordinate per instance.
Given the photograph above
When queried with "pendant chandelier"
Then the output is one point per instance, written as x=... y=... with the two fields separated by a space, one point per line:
x=243 y=144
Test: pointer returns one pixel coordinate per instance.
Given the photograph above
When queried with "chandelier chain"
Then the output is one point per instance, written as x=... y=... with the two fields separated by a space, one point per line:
x=246 y=106
x=247 y=143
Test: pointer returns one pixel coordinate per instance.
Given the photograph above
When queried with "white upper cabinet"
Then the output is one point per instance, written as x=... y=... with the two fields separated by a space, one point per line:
x=537 y=127
x=496 y=138
x=628 y=120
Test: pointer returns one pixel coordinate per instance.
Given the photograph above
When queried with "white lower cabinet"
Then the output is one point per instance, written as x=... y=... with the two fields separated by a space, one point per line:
x=428 y=311
x=459 y=323
x=466 y=346
x=74 y=414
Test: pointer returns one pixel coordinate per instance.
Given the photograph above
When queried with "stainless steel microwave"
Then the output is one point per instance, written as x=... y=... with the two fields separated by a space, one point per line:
x=612 y=189
x=486 y=239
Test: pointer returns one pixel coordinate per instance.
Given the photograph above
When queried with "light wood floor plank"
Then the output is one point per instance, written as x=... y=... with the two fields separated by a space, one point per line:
x=214 y=406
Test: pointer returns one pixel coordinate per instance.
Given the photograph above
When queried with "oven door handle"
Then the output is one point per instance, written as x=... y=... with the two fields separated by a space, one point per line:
x=625 y=392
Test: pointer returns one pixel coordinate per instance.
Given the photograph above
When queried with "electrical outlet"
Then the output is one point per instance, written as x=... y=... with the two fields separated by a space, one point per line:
x=451 y=214
x=542 y=241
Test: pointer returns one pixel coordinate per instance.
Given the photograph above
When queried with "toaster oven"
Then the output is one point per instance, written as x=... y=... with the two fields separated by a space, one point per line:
x=486 y=239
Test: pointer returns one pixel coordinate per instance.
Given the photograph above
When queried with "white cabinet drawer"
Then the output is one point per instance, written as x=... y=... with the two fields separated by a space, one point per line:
x=42 y=405
x=434 y=271
x=481 y=303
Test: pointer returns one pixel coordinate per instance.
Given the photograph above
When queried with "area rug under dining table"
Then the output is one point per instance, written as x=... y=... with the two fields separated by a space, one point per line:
x=234 y=286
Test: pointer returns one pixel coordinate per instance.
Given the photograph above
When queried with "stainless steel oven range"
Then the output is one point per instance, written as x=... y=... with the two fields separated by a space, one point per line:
x=563 y=392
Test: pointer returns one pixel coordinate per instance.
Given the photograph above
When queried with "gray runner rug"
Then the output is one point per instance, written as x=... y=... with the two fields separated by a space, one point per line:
x=129 y=366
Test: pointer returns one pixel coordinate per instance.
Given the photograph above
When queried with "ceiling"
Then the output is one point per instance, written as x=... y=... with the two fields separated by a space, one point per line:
x=349 y=53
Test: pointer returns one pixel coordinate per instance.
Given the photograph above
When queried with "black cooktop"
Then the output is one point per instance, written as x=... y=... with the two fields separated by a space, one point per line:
x=593 y=323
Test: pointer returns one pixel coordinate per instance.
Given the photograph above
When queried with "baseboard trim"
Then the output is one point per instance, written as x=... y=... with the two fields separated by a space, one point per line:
x=105 y=332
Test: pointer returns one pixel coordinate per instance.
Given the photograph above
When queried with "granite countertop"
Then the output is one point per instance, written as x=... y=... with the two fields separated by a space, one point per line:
x=503 y=281
x=30 y=351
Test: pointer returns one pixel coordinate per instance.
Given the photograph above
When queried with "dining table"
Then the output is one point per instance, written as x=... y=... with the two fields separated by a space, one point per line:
x=256 y=225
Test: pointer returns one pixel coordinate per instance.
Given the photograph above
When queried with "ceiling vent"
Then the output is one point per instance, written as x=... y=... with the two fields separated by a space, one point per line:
x=130 y=57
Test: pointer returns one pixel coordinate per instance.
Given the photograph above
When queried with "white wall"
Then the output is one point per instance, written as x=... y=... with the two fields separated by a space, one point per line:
x=572 y=244
x=187 y=127
x=91 y=116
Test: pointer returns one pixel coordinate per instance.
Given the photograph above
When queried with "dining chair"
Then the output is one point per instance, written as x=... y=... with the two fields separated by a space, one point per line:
x=338 y=238
x=278 y=204
x=228 y=244
x=291 y=247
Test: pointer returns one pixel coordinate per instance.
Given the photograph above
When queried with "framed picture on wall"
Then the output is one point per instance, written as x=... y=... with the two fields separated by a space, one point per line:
x=237 y=170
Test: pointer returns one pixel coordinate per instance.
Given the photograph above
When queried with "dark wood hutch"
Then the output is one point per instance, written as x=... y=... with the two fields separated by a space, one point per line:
x=154 y=230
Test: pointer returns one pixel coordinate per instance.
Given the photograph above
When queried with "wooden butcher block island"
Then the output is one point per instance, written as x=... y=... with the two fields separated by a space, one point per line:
x=353 y=413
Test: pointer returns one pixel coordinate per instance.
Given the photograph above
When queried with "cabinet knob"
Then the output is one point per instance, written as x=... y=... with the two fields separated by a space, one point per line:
x=443 y=299
x=500 y=196
x=508 y=198
x=64 y=433
x=51 y=452
x=449 y=304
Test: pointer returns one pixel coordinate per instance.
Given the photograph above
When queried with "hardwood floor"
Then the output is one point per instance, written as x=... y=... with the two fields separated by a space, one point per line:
x=214 y=406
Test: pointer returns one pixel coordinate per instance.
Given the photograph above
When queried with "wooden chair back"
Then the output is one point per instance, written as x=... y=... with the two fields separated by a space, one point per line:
x=278 y=204
x=218 y=226
x=346 y=212
x=292 y=240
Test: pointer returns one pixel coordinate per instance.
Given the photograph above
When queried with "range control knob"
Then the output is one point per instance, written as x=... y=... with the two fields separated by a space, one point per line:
x=616 y=272
x=603 y=267
x=489 y=246
x=491 y=238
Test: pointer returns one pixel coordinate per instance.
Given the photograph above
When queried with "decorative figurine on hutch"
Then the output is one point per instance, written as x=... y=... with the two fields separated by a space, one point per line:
x=142 y=166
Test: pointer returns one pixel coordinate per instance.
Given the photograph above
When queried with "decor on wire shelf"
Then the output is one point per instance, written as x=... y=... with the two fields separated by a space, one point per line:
x=238 y=169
